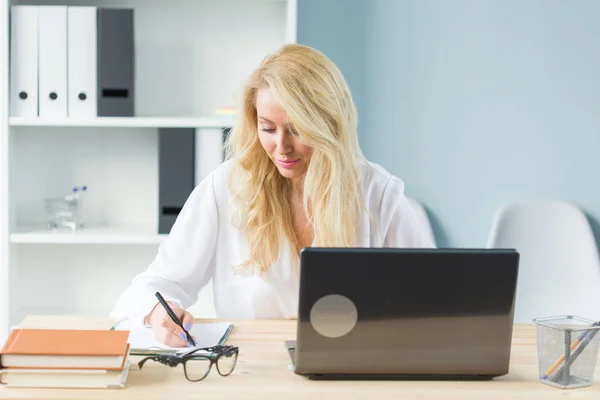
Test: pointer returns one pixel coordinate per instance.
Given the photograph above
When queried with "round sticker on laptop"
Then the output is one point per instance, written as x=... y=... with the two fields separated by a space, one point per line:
x=333 y=315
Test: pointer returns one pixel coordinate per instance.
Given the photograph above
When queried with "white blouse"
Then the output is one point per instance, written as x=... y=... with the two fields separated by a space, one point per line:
x=204 y=244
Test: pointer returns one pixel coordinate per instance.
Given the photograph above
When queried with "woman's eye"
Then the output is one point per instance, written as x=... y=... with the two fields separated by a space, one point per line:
x=268 y=130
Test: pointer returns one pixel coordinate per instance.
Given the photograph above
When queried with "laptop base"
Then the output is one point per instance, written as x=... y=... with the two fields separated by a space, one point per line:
x=290 y=346
x=399 y=377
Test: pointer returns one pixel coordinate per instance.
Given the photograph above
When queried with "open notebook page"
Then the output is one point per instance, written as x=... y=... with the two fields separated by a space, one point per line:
x=142 y=339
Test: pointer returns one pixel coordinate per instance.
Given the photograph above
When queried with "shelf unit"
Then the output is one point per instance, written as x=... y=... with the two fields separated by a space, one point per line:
x=192 y=57
x=124 y=234
x=127 y=122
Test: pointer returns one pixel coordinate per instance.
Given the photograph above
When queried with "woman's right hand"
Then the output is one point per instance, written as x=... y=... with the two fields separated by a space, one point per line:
x=165 y=330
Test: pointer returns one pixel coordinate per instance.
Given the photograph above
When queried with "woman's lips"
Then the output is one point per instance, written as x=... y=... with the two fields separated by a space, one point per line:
x=287 y=163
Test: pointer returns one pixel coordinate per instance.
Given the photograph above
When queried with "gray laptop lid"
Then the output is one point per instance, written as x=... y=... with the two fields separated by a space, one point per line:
x=405 y=311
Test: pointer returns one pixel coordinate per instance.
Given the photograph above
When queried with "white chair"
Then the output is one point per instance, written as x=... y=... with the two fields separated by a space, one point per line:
x=559 y=269
x=422 y=218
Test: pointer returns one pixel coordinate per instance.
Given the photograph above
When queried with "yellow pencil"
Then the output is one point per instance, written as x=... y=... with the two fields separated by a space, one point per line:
x=562 y=358
x=573 y=346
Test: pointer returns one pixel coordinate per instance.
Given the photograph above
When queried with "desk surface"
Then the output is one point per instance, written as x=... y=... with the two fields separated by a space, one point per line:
x=263 y=371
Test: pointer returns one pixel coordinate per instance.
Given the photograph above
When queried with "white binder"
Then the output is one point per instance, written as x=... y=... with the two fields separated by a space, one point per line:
x=53 y=61
x=81 y=54
x=208 y=153
x=24 y=61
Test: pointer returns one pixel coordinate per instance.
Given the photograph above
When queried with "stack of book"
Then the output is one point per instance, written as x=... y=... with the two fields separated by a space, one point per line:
x=65 y=358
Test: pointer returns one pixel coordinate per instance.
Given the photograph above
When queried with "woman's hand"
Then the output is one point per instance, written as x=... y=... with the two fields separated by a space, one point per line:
x=165 y=330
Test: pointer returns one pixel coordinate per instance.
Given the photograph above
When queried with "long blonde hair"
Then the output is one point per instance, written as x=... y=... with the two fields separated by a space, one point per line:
x=319 y=106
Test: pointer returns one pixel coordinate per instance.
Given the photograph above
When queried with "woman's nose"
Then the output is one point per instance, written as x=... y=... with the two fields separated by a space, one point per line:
x=283 y=143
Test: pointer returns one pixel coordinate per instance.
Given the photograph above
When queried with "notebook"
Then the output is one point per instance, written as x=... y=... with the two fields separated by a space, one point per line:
x=65 y=378
x=143 y=342
x=81 y=322
x=56 y=348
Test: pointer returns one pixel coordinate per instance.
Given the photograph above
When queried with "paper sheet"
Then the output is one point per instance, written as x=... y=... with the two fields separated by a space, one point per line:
x=206 y=335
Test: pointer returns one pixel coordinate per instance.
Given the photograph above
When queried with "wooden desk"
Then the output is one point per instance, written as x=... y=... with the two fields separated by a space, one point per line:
x=263 y=372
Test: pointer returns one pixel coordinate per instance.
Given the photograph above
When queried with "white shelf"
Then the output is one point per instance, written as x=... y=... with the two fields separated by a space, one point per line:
x=128 y=122
x=128 y=234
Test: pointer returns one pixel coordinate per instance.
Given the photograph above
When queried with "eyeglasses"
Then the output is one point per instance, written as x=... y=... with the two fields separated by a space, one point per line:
x=197 y=366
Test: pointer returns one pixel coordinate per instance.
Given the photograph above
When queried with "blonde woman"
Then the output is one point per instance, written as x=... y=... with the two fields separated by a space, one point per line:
x=295 y=177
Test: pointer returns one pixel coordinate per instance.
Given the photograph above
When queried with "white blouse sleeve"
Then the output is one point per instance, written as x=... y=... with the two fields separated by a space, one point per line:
x=185 y=260
x=403 y=229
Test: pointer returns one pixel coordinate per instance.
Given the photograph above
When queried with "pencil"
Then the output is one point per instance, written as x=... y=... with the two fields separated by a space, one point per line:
x=573 y=346
x=563 y=372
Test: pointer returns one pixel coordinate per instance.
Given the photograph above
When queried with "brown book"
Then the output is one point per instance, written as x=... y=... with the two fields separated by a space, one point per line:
x=64 y=378
x=55 y=348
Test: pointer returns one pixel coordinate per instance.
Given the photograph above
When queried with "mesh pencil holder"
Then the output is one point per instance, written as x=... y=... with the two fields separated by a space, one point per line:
x=567 y=348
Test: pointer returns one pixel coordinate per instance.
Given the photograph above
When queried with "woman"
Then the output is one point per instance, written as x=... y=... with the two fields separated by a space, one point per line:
x=295 y=177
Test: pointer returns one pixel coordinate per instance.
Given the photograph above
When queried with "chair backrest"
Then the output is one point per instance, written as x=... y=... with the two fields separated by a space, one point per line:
x=559 y=269
x=423 y=219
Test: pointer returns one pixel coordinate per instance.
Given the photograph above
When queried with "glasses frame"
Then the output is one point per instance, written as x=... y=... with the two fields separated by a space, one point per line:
x=173 y=360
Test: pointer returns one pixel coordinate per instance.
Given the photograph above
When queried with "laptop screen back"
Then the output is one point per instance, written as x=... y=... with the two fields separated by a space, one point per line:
x=405 y=311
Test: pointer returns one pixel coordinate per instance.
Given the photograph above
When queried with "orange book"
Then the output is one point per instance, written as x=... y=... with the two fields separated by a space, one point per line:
x=53 y=348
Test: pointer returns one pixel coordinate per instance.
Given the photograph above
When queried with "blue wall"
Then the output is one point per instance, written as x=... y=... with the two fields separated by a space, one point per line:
x=337 y=28
x=472 y=102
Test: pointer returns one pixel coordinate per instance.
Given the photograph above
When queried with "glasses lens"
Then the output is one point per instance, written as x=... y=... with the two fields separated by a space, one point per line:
x=196 y=368
x=226 y=363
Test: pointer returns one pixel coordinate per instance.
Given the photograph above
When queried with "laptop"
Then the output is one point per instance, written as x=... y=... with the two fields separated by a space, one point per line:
x=380 y=313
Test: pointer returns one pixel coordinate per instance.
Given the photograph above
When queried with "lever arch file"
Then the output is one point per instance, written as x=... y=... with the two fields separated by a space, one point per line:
x=52 y=61
x=24 y=61
x=115 y=57
x=176 y=173
x=82 y=58
x=74 y=61
x=208 y=153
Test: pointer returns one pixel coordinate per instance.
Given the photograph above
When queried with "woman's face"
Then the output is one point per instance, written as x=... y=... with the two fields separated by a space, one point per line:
x=281 y=143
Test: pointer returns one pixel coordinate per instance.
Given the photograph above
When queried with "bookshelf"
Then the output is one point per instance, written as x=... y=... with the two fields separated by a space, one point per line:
x=127 y=122
x=191 y=58
x=124 y=234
